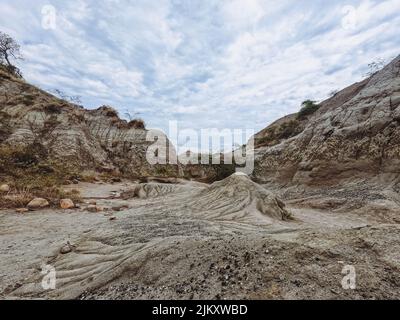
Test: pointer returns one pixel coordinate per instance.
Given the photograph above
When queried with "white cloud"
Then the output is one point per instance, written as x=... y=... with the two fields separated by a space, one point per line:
x=242 y=14
x=229 y=63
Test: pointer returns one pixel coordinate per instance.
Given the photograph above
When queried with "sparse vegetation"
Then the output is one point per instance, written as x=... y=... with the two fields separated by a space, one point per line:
x=30 y=175
x=161 y=170
x=109 y=112
x=20 y=196
x=137 y=124
x=28 y=99
x=9 y=48
x=375 y=66
x=289 y=129
x=223 y=171
x=166 y=170
x=275 y=134
x=52 y=108
x=333 y=93
x=308 y=108
x=5 y=126
x=63 y=96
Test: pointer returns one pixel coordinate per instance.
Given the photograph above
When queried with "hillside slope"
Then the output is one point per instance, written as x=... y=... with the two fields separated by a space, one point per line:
x=353 y=135
x=47 y=129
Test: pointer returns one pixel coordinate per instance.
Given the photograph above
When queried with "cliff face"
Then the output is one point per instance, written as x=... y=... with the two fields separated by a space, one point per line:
x=353 y=135
x=88 y=139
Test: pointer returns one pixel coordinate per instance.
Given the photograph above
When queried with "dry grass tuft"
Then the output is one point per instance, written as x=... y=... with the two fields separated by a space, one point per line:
x=30 y=175
x=137 y=124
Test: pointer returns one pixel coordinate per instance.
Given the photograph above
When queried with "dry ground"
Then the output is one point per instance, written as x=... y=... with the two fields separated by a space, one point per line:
x=183 y=242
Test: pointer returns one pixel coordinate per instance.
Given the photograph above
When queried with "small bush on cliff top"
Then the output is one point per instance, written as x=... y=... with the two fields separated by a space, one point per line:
x=137 y=124
x=108 y=111
x=308 y=108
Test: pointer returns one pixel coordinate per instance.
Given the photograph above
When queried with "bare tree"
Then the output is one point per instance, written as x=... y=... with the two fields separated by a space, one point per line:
x=333 y=93
x=75 y=100
x=9 y=49
x=130 y=116
x=62 y=95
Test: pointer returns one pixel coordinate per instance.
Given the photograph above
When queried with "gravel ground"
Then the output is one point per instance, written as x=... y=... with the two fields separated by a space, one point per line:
x=165 y=248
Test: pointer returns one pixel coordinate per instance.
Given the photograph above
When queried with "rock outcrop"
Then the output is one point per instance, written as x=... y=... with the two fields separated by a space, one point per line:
x=5 y=188
x=38 y=203
x=53 y=128
x=237 y=198
x=355 y=135
x=67 y=204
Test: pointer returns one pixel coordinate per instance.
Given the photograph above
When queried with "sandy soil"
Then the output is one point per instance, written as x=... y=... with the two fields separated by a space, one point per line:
x=191 y=241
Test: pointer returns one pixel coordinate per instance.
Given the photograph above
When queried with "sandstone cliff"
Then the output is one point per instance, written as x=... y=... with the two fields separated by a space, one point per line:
x=48 y=128
x=353 y=136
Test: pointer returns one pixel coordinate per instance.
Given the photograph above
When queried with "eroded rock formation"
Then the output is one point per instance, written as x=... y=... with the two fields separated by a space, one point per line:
x=354 y=135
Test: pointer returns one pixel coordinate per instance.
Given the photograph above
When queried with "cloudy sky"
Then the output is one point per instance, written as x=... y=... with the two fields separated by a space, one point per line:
x=223 y=64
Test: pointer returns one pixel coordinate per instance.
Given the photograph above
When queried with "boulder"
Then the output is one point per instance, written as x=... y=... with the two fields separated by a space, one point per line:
x=67 y=204
x=5 y=188
x=38 y=203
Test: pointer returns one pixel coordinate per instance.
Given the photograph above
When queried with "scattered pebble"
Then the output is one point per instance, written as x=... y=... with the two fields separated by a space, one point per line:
x=67 y=204
x=67 y=248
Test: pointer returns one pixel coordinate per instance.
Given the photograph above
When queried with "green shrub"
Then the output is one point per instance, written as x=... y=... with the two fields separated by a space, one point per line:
x=308 y=108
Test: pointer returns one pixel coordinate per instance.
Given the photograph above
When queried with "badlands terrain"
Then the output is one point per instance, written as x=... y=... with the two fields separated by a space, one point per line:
x=324 y=196
x=230 y=240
